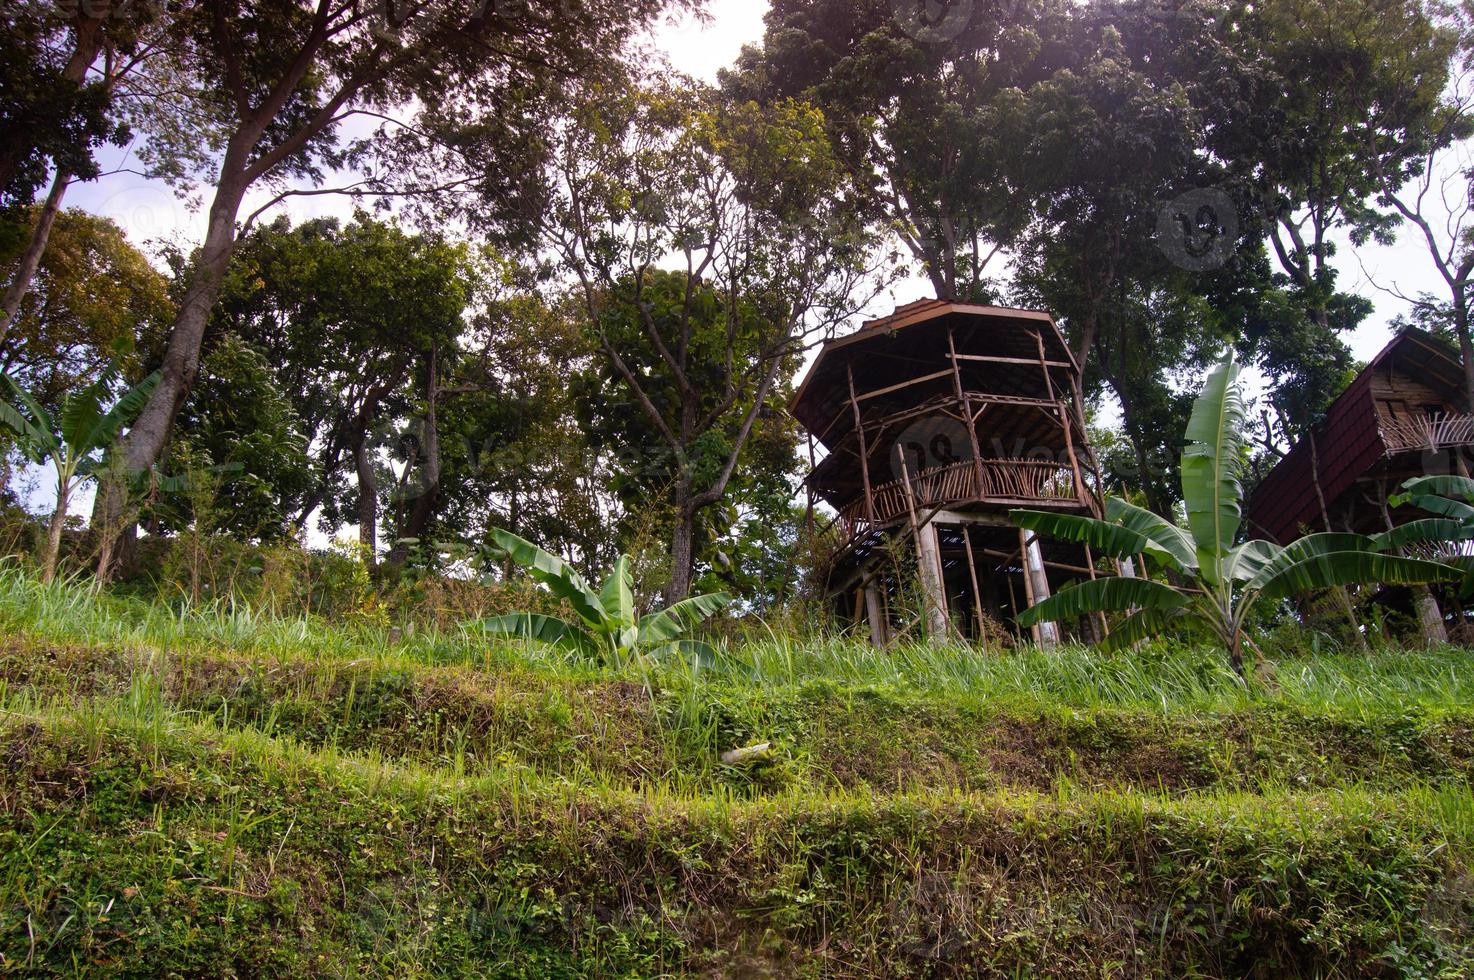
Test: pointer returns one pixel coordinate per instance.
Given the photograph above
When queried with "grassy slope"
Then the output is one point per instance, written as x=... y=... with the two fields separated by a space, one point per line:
x=226 y=793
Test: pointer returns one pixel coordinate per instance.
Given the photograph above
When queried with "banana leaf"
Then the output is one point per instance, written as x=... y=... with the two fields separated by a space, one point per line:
x=669 y=623
x=617 y=597
x=560 y=577
x=542 y=629
x=1103 y=595
x=1324 y=571
x=1169 y=537
x=1211 y=463
x=1107 y=539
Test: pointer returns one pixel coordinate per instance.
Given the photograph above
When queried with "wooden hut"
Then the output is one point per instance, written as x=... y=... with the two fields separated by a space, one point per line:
x=1404 y=415
x=934 y=422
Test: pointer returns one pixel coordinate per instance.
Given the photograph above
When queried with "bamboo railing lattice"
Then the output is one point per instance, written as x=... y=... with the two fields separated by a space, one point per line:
x=1002 y=479
x=1433 y=431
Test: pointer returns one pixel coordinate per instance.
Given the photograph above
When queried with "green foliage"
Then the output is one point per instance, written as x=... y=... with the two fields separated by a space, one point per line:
x=238 y=418
x=95 y=297
x=1221 y=583
x=608 y=628
x=216 y=786
x=72 y=442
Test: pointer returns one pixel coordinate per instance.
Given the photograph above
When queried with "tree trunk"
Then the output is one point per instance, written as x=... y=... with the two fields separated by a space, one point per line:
x=1466 y=346
x=53 y=534
x=1430 y=617
x=368 y=500
x=428 y=498
x=146 y=438
x=1236 y=652
x=682 y=559
x=19 y=286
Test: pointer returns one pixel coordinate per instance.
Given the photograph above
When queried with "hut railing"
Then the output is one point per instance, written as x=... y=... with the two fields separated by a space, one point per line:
x=1432 y=431
x=1011 y=480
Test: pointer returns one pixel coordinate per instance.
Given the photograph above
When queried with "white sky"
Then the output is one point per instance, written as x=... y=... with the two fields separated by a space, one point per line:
x=149 y=212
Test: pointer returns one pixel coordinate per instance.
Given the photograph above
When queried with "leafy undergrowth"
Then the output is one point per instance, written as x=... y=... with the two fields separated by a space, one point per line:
x=223 y=793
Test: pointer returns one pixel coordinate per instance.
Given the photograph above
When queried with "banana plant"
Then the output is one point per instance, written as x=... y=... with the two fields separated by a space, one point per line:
x=75 y=442
x=1441 y=537
x=607 y=628
x=1449 y=498
x=1214 y=583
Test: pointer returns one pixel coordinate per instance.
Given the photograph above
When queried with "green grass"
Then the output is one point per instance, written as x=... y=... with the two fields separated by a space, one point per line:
x=217 y=791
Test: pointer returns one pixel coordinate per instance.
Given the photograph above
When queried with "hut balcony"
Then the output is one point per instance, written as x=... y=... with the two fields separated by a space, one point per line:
x=1430 y=430
x=960 y=486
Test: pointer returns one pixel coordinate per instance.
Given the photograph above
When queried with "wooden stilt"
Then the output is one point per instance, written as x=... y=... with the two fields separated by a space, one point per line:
x=972 y=573
x=1038 y=583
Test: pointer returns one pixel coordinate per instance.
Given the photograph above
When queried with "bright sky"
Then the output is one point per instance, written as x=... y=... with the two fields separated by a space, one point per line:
x=149 y=211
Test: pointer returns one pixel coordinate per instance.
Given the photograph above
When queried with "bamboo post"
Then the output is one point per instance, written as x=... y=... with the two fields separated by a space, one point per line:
x=873 y=613
x=1023 y=554
x=864 y=452
x=972 y=573
x=928 y=559
x=1037 y=581
x=972 y=430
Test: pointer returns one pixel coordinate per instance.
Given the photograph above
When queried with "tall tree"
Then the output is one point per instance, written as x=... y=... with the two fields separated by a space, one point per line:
x=745 y=203
x=1423 y=181
x=282 y=76
x=348 y=317
x=1097 y=149
x=912 y=110
x=95 y=296
x=1305 y=101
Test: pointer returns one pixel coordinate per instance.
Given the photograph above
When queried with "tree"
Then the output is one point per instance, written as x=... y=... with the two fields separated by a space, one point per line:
x=95 y=295
x=745 y=201
x=913 y=114
x=1096 y=149
x=281 y=76
x=1305 y=102
x=1222 y=583
x=51 y=115
x=643 y=468
x=1421 y=178
x=72 y=442
x=240 y=424
x=347 y=316
x=74 y=57
x=513 y=451
x=608 y=628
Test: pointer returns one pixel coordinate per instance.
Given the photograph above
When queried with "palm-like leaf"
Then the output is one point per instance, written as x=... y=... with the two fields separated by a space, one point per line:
x=700 y=653
x=541 y=629
x=617 y=597
x=669 y=623
x=106 y=428
x=1250 y=558
x=1170 y=538
x=1108 y=539
x=1458 y=487
x=560 y=577
x=1429 y=530
x=1324 y=571
x=36 y=432
x=1104 y=595
x=1310 y=546
x=1211 y=463
x=1145 y=623
x=1442 y=506
x=81 y=411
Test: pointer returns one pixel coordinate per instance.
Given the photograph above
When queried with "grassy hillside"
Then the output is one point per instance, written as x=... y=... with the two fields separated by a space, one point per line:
x=220 y=792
